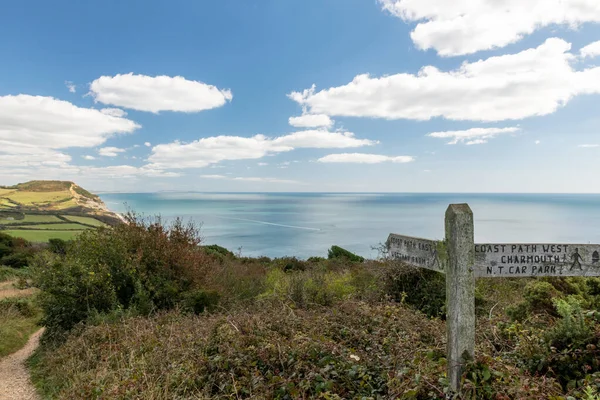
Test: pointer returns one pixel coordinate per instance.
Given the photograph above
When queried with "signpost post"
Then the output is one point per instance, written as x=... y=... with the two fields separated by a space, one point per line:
x=462 y=261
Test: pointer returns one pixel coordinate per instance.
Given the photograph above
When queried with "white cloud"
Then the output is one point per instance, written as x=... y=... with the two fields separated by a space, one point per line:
x=160 y=93
x=110 y=151
x=322 y=139
x=88 y=157
x=70 y=86
x=212 y=150
x=114 y=112
x=533 y=82
x=261 y=179
x=591 y=50
x=147 y=144
x=250 y=179
x=46 y=122
x=360 y=158
x=589 y=145
x=262 y=164
x=213 y=176
x=473 y=135
x=311 y=121
x=537 y=142
x=467 y=26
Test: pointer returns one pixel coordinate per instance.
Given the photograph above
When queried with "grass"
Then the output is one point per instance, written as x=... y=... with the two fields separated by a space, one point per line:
x=84 y=220
x=6 y=203
x=8 y=273
x=4 y=192
x=18 y=320
x=64 y=205
x=55 y=227
x=41 y=236
x=38 y=198
x=29 y=218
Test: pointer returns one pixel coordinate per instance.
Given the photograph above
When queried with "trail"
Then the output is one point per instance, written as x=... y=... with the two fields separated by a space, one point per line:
x=15 y=383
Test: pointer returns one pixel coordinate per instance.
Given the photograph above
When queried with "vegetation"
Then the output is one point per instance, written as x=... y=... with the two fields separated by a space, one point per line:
x=338 y=252
x=142 y=310
x=10 y=274
x=85 y=220
x=41 y=236
x=18 y=320
x=15 y=252
x=20 y=219
x=37 y=200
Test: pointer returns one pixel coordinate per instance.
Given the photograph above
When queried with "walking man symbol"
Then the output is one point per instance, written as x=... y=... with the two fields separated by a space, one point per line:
x=576 y=259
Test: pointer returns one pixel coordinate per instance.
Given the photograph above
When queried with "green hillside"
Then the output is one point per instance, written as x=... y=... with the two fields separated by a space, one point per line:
x=42 y=210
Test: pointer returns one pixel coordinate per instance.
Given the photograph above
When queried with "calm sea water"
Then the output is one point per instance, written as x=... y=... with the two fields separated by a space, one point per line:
x=307 y=224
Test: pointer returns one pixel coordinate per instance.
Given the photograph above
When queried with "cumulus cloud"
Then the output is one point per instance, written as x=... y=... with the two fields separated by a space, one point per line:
x=147 y=144
x=322 y=139
x=50 y=123
x=467 y=26
x=262 y=164
x=587 y=146
x=591 y=50
x=311 y=121
x=473 y=135
x=70 y=86
x=160 y=93
x=212 y=150
x=360 y=158
x=533 y=82
x=110 y=151
x=88 y=157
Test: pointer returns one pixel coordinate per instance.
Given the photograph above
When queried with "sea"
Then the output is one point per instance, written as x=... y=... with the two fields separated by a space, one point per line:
x=307 y=224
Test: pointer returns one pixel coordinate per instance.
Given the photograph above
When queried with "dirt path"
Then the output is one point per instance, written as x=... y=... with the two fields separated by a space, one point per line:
x=14 y=377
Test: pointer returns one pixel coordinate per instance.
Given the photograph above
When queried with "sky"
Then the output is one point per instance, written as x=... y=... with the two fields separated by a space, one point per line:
x=302 y=95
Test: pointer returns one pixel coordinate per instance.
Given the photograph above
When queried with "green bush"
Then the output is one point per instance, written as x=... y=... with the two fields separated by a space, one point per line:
x=58 y=246
x=198 y=301
x=418 y=287
x=15 y=252
x=216 y=249
x=338 y=252
x=143 y=265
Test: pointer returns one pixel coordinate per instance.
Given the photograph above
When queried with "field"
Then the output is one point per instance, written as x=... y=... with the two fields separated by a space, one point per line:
x=39 y=198
x=41 y=235
x=55 y=227
x=84 y=220
x=29 y=219
x=42 y=228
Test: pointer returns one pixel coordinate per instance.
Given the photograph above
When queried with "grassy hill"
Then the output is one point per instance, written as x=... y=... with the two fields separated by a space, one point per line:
x=41 y=210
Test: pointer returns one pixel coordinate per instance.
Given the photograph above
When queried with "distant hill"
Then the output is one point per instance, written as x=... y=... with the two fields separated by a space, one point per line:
x=54 y=197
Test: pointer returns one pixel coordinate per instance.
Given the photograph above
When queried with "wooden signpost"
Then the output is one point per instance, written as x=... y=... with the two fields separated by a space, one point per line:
x=462 y=261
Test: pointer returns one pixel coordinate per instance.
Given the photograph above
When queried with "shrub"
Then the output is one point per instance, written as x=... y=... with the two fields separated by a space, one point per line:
x=58 y=246
x=198 y=301
x=338 y=252
x=15 y=252
x=216 y=249
x=144 y=265
x=421 y=288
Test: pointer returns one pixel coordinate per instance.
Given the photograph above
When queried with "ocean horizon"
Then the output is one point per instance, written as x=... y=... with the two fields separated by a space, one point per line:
x=305 y=224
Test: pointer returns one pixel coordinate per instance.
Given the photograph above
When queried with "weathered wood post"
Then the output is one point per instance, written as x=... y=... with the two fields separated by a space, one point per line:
x=460 y=290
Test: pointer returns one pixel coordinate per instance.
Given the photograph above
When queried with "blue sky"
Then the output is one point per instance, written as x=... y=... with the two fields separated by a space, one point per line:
x=153 y=95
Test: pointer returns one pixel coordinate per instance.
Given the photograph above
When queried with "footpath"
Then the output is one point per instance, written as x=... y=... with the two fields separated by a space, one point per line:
x=15 y=383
